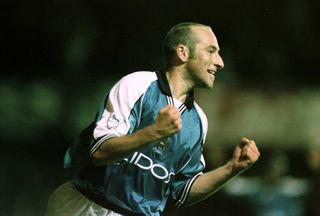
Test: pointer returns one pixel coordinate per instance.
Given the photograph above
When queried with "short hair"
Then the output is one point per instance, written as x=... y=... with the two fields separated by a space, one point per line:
x=179 y=34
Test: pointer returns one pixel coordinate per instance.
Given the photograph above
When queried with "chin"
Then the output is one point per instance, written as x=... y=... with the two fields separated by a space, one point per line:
x=207 y=86
x=210 y=85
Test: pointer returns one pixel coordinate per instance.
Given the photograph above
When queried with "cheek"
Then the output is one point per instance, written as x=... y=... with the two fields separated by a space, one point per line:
x=198 y=65
x=205 y=60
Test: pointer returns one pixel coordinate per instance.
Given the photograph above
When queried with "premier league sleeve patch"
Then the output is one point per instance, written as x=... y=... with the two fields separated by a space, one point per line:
x=110 y=125
x=114 y=121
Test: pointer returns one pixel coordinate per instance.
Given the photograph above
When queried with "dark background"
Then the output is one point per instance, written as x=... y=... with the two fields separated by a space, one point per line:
x=59 y=57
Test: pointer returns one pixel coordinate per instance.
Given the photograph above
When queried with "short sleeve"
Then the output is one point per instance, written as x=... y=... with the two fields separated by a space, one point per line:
x=121 y=111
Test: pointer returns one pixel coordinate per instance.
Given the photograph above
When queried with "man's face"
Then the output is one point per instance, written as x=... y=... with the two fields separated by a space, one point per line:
x=206 y=59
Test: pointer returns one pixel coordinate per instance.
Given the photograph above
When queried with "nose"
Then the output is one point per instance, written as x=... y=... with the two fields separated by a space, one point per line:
x=218 y=62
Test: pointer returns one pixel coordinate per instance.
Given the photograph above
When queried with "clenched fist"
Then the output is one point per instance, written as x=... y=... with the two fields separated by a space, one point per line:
x=168 y=121
x=245 y=154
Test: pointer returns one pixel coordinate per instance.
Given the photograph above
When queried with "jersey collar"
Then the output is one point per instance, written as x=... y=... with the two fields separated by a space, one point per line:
x=165 y=89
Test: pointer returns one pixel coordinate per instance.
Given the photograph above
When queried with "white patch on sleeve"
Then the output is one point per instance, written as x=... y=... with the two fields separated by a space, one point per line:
x=114 y=121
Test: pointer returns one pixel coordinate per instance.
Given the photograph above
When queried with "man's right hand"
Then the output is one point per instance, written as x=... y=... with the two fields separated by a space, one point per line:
x=168 y=121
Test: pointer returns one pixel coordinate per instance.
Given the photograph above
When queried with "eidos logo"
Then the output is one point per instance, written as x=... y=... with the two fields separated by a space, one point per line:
x=144 y=162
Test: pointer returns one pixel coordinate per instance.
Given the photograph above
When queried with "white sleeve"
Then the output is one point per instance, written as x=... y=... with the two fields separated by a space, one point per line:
x=121 y=100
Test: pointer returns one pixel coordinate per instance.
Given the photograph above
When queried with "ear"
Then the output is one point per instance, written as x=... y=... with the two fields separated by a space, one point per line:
x=182 y=53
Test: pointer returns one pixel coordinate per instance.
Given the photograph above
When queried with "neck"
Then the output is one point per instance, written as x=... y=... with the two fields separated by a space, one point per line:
x=178 y=85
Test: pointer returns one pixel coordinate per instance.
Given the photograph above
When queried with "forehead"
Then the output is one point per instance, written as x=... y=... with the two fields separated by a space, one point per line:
x=205 y=36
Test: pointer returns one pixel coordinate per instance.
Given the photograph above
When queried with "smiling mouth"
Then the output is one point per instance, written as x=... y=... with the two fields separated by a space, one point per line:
x=212 y=72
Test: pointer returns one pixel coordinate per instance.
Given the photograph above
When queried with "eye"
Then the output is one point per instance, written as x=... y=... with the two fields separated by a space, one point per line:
x=211 y=50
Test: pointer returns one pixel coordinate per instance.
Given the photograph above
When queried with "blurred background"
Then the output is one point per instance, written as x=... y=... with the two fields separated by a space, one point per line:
x=58 y=58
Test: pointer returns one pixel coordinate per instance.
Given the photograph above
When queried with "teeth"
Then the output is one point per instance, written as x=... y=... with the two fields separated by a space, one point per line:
x=212 y=72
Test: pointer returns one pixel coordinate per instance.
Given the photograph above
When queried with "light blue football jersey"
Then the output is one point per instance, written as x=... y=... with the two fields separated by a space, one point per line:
x=159 y=174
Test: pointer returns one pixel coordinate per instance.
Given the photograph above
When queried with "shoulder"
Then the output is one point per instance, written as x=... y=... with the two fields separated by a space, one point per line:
x=134 y=84
x=139 y=78
x=202 y=115
x=200 y=111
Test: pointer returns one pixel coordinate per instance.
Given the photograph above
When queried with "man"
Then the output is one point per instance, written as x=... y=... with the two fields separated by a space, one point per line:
x=143 y=151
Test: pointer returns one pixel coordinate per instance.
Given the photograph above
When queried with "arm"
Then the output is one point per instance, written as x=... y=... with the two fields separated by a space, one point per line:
x=245 y=154
x=168 y=122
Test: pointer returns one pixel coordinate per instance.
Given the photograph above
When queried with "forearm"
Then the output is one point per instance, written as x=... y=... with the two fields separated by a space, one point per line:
x=168 y=122
x=210 y=182
x=117 y=148
x=244 y=155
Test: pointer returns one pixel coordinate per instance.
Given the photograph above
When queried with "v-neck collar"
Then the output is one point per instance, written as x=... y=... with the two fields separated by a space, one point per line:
x=165 y=89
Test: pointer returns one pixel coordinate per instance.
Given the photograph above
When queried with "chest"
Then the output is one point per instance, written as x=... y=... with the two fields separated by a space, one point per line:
x=191 y=133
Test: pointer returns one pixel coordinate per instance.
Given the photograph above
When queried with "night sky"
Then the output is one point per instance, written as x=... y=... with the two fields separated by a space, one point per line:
x=270 y=43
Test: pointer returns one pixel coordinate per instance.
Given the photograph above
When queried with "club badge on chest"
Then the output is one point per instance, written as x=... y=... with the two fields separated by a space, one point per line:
x=162 y=145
